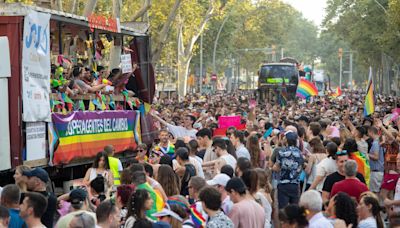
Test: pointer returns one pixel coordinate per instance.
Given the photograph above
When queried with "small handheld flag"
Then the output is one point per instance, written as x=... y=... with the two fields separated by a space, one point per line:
x=306 y=89
x=369 y=104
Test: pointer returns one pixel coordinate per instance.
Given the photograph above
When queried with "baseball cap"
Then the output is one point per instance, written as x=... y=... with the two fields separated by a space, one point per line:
x=77 y=196
x=290 y=135
x=220 y=179
x=37 y=172
x=236 y=184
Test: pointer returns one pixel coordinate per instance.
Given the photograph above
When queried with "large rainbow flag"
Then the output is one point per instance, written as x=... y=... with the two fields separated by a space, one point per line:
x=363 y=166
x=84 y=134
x=306 y=89
x=369 y=104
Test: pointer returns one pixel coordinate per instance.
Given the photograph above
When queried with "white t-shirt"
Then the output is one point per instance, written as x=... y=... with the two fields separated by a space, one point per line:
x=324 y=168
x=242 y=151
x=229 y=160
x=369 y=222
x=179 y=131
x=197 y=164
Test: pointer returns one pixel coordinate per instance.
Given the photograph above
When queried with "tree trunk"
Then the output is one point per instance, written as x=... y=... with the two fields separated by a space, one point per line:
x=89 y=7
x=115 y=50
x=183 y=72
x=163 y=35
x=185 y=53
x=60 y=5
x=73 y=7
x=146 y=6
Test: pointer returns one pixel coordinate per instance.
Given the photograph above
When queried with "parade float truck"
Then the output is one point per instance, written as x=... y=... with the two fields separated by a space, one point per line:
x=43 y=127
x=273 y=78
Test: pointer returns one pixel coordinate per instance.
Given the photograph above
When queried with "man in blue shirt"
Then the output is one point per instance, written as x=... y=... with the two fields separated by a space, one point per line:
x=10 y=197
x=376 y=156
x=289 y=164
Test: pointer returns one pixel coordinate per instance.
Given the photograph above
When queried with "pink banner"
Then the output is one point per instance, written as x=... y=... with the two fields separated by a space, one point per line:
x=228 y=121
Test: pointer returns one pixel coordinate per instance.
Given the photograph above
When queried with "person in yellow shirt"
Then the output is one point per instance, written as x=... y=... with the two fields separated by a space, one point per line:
x=115 y=164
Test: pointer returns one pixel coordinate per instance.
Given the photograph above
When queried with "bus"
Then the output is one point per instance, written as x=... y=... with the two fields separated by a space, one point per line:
x=273 y=77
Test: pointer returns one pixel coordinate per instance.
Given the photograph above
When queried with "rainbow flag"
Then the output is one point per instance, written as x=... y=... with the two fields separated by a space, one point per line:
x=84 y=134
x=158 y=202
x=337 y=93
x=369 y=104
x=197 y=217
x=362 y=165
x=306 y=89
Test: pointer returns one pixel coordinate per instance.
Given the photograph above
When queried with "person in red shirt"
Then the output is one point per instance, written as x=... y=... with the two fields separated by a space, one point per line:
x=351 y=185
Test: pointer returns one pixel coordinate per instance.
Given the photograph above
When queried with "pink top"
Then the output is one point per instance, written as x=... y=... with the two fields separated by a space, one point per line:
x=247 y=213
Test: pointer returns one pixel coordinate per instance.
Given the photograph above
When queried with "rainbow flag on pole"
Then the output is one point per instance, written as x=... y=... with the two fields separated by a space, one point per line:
x=369 y=104
x=337 y=93
x=306 y=89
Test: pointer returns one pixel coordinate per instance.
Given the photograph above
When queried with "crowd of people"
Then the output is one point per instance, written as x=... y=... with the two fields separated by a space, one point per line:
x=319 y=163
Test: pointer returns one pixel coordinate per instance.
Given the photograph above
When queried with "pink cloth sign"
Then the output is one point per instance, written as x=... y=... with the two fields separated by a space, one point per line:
x=228 y=121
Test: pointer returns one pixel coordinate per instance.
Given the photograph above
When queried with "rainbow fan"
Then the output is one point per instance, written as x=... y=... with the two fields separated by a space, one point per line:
x=306 y=89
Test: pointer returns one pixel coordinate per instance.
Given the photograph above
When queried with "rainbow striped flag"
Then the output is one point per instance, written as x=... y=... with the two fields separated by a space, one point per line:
x=158 y=202
x=84 y=134
x=337 y=93
x=306 y=89
x=197 y=218
x=363 y=166
x=369 y=104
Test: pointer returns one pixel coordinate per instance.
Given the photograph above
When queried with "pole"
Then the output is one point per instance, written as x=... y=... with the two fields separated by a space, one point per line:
x=351 y=71
x=340 y=73
x=201 y=64
x=281 y=53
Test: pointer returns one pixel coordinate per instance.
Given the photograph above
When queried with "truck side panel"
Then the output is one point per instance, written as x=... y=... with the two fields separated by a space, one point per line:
x=12 y=27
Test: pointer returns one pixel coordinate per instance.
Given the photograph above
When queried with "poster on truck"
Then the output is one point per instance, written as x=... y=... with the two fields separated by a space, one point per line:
x=36 y=67
x=84 y=134
x=35 y=141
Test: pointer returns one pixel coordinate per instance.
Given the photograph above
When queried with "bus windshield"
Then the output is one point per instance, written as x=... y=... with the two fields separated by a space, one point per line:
x=275 y=74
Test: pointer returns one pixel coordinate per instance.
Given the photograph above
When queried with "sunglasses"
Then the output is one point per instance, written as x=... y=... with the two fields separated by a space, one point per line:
x=343 y=152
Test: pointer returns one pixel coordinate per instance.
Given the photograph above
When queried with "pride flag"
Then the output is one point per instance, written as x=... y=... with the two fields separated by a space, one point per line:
x=337 y=93
x=363 y=166
x=306 y=89
x=369 y=104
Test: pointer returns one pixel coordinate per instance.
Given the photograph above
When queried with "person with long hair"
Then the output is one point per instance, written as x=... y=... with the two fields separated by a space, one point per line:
x=293 y=216
x=369 y=213
x=123 y=194
x=264 y=184
x=341 y=206
x=256 y=154
x=318 y=153
x=21 y=180
x=168 y=180
x=139 y=202
x=100 y=167
x=250 y=178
